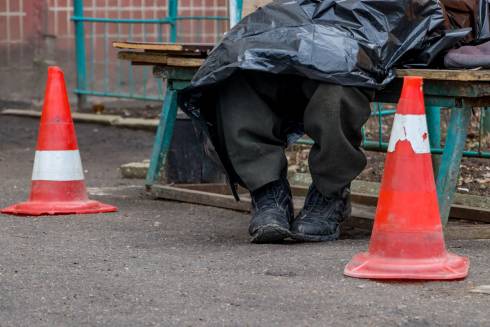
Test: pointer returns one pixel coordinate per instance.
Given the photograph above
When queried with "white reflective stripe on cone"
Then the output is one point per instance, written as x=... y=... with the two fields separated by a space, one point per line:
x=412 y=128
x=57 y=166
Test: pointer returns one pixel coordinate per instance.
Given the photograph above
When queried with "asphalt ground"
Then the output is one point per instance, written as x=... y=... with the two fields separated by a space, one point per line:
x=157 y=263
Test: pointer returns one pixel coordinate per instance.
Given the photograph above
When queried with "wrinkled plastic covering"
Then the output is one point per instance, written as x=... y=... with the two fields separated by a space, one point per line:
x=348 y=42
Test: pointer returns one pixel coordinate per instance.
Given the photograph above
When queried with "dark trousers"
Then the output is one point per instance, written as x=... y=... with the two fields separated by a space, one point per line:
x=256 y=112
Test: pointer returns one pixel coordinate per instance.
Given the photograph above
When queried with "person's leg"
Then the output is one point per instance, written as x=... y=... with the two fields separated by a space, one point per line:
x=250 y=135
x=333 y=119
x=250 y=130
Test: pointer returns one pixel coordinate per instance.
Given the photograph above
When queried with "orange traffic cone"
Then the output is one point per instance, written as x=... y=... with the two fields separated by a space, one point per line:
x=407 y=240
x=58 y=185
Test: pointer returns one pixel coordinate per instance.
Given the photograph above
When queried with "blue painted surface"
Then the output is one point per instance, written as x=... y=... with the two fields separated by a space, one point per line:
x=172 y=15
x=80 y=51
x=434 y=125
x=163 y=137
x=449 y=169
x=433 y=115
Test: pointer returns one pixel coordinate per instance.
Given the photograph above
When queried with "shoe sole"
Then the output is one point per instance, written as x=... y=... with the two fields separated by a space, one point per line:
x=322 y=238
x=270 y=234
x=316 y=238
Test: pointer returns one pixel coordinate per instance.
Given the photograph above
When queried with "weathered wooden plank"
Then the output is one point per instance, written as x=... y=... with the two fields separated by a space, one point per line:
x=467 y=232
x=218 y=188
x=147 y=46
x=159 y=59
x=465 y=75
x=365 y=193
x=442 y=93
x=143 y=57
x=184 y=62
x=202 y=55
x=174 y=73
x=162 y=47
x=199 y=197
x=216 y=195
x=470 y=213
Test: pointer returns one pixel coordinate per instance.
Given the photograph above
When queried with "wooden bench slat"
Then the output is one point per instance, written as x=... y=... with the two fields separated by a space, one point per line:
x=184 y=62
x=162 y=47
x=155 y=50
x=143 y=57
x=159 y=59
x=447 y=75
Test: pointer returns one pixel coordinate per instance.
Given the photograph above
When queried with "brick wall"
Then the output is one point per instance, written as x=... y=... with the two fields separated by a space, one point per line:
x=16 y=30
x=36 y=31
x=251 y=5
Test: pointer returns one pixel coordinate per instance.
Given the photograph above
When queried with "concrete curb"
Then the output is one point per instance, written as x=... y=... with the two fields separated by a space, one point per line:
x=112 y=120
x=136 y=170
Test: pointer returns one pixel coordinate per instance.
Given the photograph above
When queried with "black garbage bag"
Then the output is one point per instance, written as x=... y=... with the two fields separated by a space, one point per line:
x=348 y=42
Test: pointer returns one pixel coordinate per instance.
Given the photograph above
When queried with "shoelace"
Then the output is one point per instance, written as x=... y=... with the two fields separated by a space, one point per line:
x=317 y=203
x=268 y=197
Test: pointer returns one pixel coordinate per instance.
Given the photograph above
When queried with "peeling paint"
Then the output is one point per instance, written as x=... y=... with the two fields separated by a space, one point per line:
x=412 y=128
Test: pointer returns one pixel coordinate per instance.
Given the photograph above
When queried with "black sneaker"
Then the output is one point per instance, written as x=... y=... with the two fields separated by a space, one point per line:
x=272 y=212
x=321 y=216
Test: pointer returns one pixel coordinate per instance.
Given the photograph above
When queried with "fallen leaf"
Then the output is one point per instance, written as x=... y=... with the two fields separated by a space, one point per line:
x=482 y=289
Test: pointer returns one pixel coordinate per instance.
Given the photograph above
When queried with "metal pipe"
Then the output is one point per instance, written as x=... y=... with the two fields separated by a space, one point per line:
x=235 y=7
x=371 y=145
x=172 y=16
x=117 y=95
x=144 y=21
x=433 y=115
x=80 y=54
x=201 y=18
x=78 y=18
x=447 y=178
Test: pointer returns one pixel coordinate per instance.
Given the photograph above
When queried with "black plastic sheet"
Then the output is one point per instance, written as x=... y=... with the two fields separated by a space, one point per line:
x=348 y=42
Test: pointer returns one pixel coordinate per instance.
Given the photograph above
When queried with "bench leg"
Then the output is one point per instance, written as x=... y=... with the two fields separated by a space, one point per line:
x=434 y=125
x=163 y=137
x=447 y=179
